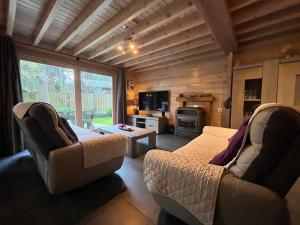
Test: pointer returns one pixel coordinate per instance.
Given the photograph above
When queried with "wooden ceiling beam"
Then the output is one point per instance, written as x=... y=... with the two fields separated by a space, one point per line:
x=89 y=12
x=217 y=17
x=47 y=18
x=269 y=20
x=262 y=9
x=133 y=10
x=273 y=30
x=183 y=37
x=171 y=29
x=175 y=9
x=172 y=50
x=237 y=4
x=161 y=33
x=11 y=16
x=197 y=57
x=183 y=54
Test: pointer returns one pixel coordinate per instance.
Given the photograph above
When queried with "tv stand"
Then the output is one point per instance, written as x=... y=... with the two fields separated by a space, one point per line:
x=158 y=124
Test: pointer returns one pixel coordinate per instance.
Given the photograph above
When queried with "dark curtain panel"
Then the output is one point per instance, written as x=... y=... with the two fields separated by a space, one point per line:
x=121 y=97
x=11 y=94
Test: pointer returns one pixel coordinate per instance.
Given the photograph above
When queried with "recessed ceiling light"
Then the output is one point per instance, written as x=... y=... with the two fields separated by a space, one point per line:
x=124 y=27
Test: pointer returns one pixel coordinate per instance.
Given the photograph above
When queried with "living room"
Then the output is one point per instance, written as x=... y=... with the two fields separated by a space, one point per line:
x=150 y=112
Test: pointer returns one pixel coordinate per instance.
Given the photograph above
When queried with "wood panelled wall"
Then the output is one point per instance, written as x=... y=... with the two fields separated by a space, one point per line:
x=205 y=76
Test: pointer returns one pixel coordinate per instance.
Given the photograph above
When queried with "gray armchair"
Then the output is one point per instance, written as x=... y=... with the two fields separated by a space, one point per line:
x=55 y=148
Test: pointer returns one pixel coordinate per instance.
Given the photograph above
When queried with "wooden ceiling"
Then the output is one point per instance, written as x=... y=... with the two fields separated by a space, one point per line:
x=167 y=32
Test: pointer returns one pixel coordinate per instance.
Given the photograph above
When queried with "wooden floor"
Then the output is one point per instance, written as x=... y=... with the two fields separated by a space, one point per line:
x=118 y=199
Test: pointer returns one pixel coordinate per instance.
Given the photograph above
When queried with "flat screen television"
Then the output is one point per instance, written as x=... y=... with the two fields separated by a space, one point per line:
x=156 y=100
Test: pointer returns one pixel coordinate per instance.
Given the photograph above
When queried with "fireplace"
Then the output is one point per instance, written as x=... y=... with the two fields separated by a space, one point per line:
x=189 y=121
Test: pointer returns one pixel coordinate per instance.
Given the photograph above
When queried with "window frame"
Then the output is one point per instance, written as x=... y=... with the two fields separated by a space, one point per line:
x=77 y=81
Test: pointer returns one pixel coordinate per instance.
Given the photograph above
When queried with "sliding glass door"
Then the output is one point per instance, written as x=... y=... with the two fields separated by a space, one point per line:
x=51 y=84
x=96 y=99
x=58 y=87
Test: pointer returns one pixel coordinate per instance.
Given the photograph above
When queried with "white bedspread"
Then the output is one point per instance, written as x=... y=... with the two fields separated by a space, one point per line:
x=99 y=148
x=185 y=175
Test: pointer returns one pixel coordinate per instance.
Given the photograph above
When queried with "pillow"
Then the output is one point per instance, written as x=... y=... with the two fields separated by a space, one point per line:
x=233 y=147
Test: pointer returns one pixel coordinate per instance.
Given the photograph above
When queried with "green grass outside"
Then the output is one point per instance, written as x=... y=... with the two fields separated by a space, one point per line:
x=103 y=121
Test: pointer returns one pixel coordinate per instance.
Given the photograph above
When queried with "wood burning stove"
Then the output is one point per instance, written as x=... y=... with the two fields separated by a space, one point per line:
x=189 y=121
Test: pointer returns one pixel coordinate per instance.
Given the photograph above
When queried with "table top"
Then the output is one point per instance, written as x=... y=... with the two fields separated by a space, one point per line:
x=137 y=132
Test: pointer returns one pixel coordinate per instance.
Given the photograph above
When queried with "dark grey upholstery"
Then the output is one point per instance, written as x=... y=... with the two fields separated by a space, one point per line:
x=44 y=130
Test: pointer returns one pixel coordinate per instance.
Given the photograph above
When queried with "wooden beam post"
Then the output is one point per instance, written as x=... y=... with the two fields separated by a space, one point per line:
x=47 y=18
x=217 y=17
x=11 y=15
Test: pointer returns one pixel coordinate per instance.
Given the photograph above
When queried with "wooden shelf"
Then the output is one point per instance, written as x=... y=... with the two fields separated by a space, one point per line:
x=252 y=100
x=195 y=99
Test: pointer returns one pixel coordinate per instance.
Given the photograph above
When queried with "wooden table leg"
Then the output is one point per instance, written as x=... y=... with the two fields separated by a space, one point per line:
x=132 y=148
x=152 y=140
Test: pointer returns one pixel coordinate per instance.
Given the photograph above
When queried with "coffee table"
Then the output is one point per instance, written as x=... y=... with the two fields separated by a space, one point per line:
x=132 y=136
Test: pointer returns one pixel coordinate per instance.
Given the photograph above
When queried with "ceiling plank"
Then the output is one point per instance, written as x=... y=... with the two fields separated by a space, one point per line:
x=172 y=50
x=262 y=9
x=11 y=16
x=183 y=54
x=133 y=10
x=183 y=37
x=220 y=25
x=198 y=57
x=47 y=18
x=175 y=9
x=81 y=20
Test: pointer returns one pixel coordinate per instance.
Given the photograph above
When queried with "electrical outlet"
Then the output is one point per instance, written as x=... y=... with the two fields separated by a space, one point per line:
x=220 y=110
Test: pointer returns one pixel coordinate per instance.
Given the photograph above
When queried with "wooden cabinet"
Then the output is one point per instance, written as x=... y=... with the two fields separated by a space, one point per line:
x=272 y=81
x=157 y=124
x=246 y=93
x=288 y=92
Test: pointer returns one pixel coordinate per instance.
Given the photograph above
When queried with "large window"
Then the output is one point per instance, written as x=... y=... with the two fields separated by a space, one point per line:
x=51 y=84
x=56 y=86
x=96 y=97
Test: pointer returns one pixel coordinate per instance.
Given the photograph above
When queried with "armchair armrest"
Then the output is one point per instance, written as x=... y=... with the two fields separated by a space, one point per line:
x=242 y=202
x=293 y=199
x=66 y=165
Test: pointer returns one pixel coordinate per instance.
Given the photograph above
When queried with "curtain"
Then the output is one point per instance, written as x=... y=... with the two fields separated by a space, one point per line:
x=11 y=94
x=121 y=97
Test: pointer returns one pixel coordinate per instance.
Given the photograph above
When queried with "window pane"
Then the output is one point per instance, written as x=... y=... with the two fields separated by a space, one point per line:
x=97 y=101
x=51 y=84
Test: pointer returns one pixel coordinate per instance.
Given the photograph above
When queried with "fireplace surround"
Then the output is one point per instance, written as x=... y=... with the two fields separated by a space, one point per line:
x=189 y=121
